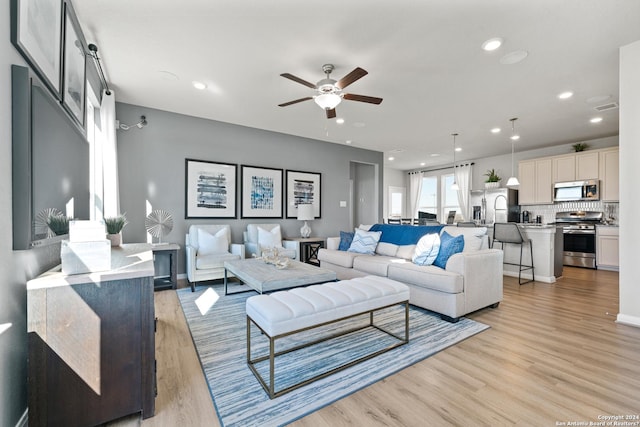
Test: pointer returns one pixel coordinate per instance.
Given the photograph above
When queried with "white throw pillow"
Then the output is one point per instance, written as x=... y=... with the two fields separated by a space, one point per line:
x=427 y=249
x=270 y=239
x=365 y=242
x=212 y=244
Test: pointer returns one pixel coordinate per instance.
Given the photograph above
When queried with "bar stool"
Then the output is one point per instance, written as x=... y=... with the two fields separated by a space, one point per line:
x=509 y=232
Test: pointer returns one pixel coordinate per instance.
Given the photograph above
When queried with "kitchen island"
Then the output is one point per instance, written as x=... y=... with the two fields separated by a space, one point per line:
x=547 y=253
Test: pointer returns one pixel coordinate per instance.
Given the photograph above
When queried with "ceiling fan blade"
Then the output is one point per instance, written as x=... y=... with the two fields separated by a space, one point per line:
x=298 y=80
x=356 y=74
x=331 y=113
x=295 y=101
x=362 y=98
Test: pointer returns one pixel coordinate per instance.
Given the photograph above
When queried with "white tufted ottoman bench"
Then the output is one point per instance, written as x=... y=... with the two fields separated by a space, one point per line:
x=289 y=312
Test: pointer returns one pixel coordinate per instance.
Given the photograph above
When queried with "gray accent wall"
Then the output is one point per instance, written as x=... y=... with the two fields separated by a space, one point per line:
x=151 y=165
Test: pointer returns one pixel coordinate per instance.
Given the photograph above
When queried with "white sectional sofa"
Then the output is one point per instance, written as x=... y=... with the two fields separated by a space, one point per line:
x=471 y=280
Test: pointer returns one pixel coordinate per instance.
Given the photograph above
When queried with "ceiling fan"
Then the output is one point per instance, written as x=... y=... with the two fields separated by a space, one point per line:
x=330 y=91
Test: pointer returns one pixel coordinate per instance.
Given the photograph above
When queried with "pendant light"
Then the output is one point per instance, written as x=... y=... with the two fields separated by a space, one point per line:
x=513 y=181
x=454 y=186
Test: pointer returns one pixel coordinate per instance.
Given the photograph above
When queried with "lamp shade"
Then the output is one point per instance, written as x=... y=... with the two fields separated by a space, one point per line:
x=328 y=101
x=513 y=182
x=305 y=212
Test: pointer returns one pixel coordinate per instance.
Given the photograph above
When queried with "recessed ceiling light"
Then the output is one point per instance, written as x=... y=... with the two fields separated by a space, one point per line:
x=422 y=163
x=348 y=141
x=495 y=130
x=492 y=44
x=514 y=137
x=596 y=120
x=565 y=95
x=391 y=159
x=458 y=149
x=514 y=57
x=199 y=85
x=340 y=120
x=435 y=155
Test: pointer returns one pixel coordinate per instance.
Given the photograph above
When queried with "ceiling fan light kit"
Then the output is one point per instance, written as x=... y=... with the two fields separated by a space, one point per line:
x=329 y=91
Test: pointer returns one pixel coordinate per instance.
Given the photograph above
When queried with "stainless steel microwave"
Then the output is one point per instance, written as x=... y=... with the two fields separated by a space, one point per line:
x=576 y=190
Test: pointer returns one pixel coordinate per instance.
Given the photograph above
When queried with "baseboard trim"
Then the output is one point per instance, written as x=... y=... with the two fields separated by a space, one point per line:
x=527 y=276
x=625 y=319
x=24 y=419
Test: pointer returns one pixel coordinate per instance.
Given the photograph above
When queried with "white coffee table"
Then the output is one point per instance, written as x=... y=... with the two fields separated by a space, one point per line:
x=262 y=277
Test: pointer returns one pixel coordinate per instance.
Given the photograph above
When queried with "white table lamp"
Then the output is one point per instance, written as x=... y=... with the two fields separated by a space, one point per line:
x=305 y=213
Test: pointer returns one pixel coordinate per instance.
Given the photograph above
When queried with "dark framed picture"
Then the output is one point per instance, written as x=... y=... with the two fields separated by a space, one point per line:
x=74 y=67
x=261 y=192
x=210 y=189
x=303 y=188
x=36 y=31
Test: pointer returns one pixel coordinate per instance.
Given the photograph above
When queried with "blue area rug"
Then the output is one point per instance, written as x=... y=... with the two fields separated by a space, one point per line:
x=218 y=328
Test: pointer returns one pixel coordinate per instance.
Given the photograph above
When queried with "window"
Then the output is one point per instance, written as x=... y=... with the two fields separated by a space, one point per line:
x=437 y=198
x=396 y=201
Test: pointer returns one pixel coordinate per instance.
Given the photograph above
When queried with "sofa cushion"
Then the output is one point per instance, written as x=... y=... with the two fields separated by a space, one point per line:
x=374 y=264
x=426 y=276
x=346 y=238
x=214 y=261
x=211 y=244
x=474 y=237
x=270 y=238
x=365 y=242
x=386 y=249
x=406 y=251
x=340 y=258
x=427 y=249
x=449 y=245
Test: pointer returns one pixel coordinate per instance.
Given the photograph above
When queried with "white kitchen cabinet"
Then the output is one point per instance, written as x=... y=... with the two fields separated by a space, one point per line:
x=607 y=248
x=564 y=168
x=576 y=166
x=609 y=175
x=587 y=165
x=536 y=181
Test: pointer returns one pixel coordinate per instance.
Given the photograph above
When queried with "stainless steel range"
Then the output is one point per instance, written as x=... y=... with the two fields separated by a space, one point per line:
x=579 y=236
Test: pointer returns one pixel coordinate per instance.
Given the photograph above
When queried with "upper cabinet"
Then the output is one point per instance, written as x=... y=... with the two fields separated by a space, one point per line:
x=576 y=166
x=536 y=186
x=609 y=175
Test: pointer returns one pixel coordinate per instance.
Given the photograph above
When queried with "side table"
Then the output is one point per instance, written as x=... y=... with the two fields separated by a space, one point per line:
x=307 y=249
x=165 y=262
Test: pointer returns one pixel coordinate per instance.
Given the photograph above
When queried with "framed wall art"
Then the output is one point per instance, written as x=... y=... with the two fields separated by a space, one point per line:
x=36 y=31
x=210 y=189
x=303 y=188
x=73 y=79
x=261 y=192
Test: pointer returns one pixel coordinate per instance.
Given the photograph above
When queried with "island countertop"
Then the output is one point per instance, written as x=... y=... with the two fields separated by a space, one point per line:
x=127 y=262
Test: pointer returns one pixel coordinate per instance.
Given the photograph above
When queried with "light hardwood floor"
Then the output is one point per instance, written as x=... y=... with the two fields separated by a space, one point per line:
x=554 y=354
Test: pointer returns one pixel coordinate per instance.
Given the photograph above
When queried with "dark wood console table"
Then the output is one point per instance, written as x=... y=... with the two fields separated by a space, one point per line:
x=91 y=342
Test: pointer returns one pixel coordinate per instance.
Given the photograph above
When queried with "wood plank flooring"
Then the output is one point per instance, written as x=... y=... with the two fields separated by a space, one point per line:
x=553 y=355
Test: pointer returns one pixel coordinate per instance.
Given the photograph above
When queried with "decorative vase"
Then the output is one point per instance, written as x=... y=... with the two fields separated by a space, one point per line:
x=115 y=239
x=492 y=184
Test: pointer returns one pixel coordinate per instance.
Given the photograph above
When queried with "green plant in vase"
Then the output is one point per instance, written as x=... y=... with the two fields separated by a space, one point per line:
x=114 y=227
x=580 y=146
x=59 y=224
x=493 y=179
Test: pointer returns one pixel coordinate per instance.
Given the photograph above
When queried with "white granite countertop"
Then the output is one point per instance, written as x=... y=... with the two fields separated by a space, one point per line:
x=128 y=261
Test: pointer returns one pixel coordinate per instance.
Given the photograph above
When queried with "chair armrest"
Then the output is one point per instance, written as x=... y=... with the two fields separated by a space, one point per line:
x=333 y=243
x=191 y=262
x=251 y=248
x=482 y=272
x=237 y=249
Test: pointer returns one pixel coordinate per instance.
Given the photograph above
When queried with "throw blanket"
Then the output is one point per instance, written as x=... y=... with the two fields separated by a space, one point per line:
x=404 y=234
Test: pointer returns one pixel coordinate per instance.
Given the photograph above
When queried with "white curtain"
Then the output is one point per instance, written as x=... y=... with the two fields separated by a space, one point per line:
x=415 y=188
x=462 y=176
x=110 y=155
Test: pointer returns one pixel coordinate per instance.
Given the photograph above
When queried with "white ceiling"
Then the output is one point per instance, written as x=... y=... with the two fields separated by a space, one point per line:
x=424 y=58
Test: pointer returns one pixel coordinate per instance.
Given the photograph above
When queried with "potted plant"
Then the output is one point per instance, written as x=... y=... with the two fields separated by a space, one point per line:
x=58 y=224
x=114 y=226
x=493 y=179
x=580 y=146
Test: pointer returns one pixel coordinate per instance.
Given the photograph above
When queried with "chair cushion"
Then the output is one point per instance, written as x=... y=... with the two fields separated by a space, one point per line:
x=449 y=245
x=270 y=238
x=346 y=238
x=211 y=244
x=365 y=242
x=214 y=261
x=427 y=249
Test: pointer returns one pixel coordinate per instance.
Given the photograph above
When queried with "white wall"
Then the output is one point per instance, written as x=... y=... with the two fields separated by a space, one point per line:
x=629 y=178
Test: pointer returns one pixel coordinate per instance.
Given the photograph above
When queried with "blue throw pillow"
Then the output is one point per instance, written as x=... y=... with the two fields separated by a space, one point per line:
x=365 y=242
x=427 y=249
x=448 y=246
x=346 y=238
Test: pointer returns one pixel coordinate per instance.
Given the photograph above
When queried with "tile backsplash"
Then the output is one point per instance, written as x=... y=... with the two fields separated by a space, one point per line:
x=548 y=212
